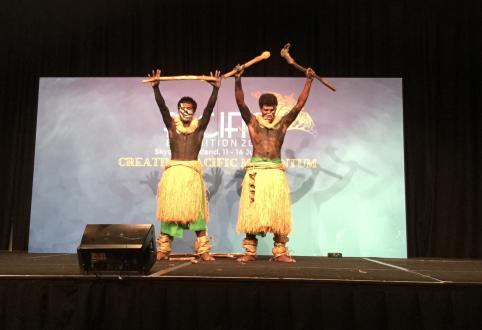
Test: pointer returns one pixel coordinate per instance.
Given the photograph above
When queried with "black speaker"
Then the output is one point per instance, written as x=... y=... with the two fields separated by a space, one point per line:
x=117 y=248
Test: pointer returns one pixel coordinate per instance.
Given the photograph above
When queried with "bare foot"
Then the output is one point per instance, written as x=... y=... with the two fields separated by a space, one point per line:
x=207 y=257
x=246 y=258
x=162 y=256
x=283 y=258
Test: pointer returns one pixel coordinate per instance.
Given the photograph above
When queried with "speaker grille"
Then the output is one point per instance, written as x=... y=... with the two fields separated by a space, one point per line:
x=117 y=248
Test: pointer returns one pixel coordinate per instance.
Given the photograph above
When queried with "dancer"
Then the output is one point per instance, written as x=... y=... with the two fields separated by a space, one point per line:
x=181 y=194
x=265 y=204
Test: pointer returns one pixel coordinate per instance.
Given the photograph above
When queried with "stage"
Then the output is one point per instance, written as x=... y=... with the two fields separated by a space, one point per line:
x=49 y=291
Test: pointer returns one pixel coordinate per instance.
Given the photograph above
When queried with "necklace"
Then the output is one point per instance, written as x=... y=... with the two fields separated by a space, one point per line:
x=264 y=123
x=180 y=128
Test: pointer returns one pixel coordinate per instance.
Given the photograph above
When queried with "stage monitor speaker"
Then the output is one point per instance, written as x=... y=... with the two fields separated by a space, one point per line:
x=117 y=248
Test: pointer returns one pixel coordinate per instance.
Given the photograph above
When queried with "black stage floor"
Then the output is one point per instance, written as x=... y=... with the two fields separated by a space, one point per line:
x=322 y=269
x=49 y=291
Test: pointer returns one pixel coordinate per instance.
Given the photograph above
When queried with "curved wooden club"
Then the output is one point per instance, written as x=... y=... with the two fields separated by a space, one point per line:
x=286 y=55
x=264 y=55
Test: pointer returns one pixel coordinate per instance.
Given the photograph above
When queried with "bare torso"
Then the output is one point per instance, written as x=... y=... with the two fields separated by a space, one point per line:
x=266 y=142
x=185 y=147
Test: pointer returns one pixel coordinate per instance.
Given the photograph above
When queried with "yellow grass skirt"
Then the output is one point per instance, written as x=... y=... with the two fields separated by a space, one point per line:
x=265 y=204
x=181 y=193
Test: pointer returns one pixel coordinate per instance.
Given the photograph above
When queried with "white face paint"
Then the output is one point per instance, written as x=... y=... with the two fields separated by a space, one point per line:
x=185 y=112
x=268 y=112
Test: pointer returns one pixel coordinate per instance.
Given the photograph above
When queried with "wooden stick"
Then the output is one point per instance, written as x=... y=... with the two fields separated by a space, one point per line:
x=264 y=55
x=162 y=78
x=326 y=82
x=286 y=55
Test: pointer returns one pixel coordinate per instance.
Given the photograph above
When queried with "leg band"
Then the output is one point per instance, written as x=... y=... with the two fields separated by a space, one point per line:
x=164 y=244
x=201 y=245
x=250 y=246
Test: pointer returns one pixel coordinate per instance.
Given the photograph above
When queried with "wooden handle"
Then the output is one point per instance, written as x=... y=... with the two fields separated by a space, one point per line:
x=325 y=82
x=264 y=55
x=285 y=53
x=162 y=78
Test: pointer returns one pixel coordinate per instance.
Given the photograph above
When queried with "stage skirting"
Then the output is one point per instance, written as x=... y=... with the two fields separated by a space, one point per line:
x=49 y=292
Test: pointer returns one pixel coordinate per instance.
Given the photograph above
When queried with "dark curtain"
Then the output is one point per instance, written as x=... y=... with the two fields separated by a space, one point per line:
x=164 y=304
x=434 y=45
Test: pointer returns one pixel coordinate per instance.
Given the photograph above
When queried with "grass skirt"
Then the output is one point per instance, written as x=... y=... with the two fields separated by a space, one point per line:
x=265 y=204
x=181 y=194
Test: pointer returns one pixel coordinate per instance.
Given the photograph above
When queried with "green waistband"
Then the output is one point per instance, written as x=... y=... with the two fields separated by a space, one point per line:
x=265 y=159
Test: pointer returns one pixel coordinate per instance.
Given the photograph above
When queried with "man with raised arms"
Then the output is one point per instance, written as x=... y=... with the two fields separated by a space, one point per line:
x=265 y=203
x=181 y=195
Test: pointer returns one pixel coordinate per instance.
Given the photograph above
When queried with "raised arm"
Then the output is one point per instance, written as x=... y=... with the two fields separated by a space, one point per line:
x=166 y=116
x=239 y=95
x=203 y=123
x=291 y=116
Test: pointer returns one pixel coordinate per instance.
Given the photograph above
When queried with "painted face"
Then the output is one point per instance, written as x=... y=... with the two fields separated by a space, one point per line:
x=185 y=112
x=268 y=112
